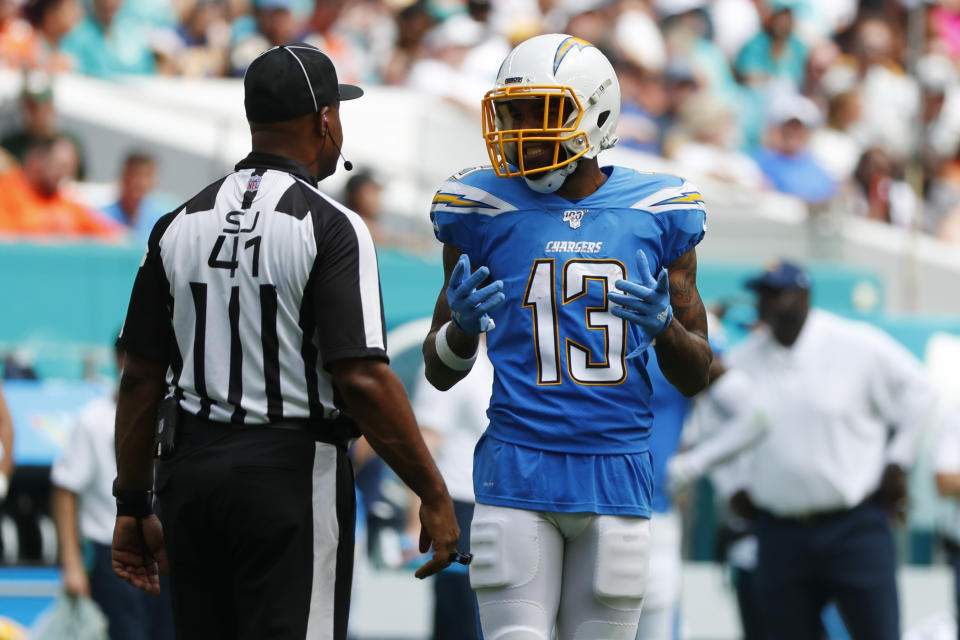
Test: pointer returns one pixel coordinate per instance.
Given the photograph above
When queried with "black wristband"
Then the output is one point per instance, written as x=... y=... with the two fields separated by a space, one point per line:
x=462 y=558
x=137 y=504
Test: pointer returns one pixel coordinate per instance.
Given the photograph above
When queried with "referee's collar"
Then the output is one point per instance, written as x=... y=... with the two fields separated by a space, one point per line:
x=262 y=160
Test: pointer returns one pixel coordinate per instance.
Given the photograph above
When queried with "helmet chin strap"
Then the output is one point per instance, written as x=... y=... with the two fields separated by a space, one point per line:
x=550 y=181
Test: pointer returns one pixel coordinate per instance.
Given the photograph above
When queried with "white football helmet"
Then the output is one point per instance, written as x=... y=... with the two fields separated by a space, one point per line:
x=580 y=95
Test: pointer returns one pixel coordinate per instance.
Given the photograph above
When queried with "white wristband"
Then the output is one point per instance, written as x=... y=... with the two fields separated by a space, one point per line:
x=4 y=485
x=446 y=354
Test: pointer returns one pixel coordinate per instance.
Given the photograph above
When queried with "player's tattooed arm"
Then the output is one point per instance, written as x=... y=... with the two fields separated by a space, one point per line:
x=463 y=345
x=682 y=349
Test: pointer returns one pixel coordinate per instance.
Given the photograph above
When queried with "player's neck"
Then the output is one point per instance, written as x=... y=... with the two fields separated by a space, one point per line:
x=584 y=181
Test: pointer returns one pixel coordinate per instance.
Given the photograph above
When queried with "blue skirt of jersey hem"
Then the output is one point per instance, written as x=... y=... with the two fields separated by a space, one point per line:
x=512 y=475
x=539 y=505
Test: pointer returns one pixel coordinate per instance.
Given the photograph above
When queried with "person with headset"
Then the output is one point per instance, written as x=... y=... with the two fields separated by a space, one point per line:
x=256 y=332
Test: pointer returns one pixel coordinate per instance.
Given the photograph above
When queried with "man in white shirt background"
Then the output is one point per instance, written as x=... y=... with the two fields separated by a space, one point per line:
x=846 y=406
x=84 y=511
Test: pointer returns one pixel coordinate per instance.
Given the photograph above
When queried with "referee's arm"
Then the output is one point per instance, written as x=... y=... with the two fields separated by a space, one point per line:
x=137 y=551
x=376 y=400
x=142 y=386
x=145 y=341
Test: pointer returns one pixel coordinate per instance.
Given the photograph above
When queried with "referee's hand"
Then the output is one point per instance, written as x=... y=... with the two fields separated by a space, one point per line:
x=138 y=553
x=438 y=528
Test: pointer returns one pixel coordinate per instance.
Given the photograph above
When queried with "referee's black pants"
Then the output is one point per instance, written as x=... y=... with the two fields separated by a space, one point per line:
x=846 y=557
x=259 y=531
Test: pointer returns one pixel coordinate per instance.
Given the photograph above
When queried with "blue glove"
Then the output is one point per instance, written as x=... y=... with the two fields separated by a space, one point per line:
x=469 y=305
x=645 y=303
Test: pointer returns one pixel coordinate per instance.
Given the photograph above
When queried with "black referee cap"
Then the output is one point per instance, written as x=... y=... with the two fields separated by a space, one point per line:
x=290 y=81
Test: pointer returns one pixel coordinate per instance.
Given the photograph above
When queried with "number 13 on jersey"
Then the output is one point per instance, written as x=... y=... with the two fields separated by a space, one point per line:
x=584 y=366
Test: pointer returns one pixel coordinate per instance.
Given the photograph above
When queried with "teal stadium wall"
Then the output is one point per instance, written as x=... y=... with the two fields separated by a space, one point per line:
x=64 y=302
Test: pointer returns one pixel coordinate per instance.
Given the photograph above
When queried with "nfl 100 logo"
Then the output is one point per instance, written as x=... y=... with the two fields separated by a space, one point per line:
x=574 y=217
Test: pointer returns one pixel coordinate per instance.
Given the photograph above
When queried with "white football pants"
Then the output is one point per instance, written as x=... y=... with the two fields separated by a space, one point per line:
x=663 y=585
x=583 y=573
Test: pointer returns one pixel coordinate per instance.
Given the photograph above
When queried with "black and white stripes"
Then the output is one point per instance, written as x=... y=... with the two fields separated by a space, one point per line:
x=271 y=281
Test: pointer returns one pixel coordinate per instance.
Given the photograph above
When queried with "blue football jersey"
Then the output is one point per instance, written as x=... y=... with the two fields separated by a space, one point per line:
x=562 y=383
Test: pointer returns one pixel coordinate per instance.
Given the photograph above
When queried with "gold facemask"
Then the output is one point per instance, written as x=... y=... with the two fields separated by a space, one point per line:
x=505 y=146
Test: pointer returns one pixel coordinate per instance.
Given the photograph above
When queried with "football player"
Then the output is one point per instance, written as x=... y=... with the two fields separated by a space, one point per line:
x=583 y=267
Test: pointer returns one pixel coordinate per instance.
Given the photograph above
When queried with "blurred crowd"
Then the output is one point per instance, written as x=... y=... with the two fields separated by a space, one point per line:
x=851 y=105
x=42 y=166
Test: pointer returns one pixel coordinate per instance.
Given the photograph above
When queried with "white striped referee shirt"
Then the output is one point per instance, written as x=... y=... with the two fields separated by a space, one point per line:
x=250 y=289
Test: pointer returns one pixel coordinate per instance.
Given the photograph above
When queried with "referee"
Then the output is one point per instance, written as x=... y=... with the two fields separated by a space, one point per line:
x=255 y=329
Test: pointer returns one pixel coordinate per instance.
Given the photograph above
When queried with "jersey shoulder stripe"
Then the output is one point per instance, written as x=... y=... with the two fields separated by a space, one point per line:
x=478 y=190
x=206 y=199
x=328 y=204
x=301 y=199
x=671 y=193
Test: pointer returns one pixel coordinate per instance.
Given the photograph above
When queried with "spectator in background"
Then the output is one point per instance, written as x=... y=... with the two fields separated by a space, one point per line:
x=651 y=102
x=324 y=25
x=734 y=23
x=704 y=143
x=51 y=21
x=829 y=477
x=946 y=465
x=109 y=42
x=134 y=208
x=593 y=20
x=945 y=27
x=719 y=412
x=644 y=115
x=34 y=200
x=369 y=28
x=820 y=83
x=362 y=195
x=447 y=71
x=39 y=119
x=881 y=193
x=481 y=62
x=412 y=24
x=659 y=617
x=203 y=40
x=775 y=53
x=18 y=41
x=276 y=23
x=84 y=512
x=452 y=421
x=937 y=78
x=891 y=98
x=637 y=40
x=786 y=159
x=688 y=36
x=837 y=146
x=723 y=423
x=941 y=210
x=640 y=59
